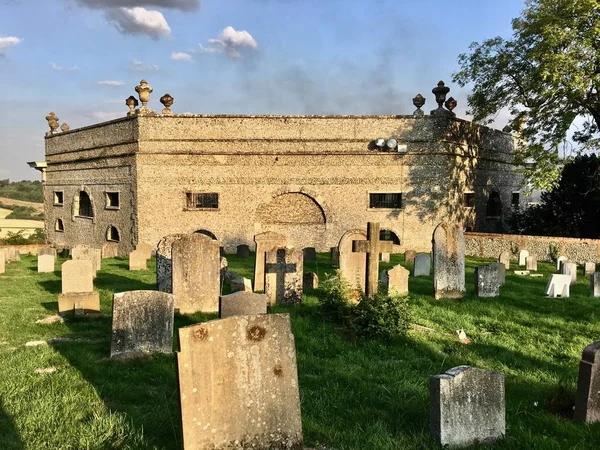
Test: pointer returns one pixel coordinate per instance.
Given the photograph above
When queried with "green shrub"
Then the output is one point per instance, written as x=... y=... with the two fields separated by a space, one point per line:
x=38 y=237
x=382 y=317
x=24 y=213
x=338 y=295
x=553 y=251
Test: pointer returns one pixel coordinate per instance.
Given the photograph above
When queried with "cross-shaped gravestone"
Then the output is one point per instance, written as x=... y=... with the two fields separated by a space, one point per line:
x=373 y=247
x=278 y=287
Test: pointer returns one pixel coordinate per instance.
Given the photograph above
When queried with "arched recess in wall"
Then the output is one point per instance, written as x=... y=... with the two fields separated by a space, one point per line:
x=208 y=233
x=494 y=205
x=291 y=208
x=83 y=205
x=112 y=234
x=59 y=225
x=389 y=235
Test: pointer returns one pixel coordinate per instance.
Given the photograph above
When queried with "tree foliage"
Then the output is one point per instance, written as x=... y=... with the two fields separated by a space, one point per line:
x=28 y=191
x=547 y=75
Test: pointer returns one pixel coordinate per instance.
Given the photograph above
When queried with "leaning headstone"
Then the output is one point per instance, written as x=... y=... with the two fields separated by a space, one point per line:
x=501 y=269
x=264 y=242
x=45 y=263
x=422 y=266
x=196 y=270
x=240 y=284
x=2 y=261
x=487 y=281
x=164 y=262
x=47 y=251
x=569 y=268
x=137 y=260
x=587 y=400
x=558 y=286
x=531 y=263
x=243 y=251
x=78 y=293
x=385 y=257
x=448 y=261
x=146 y=249
x=409 y=256
x=595 y=284
x=284 y=275
x=589 y=268
x=504 y=258
x=234 y=375
x=110 y=250
x=398 y=280
x=559 y=260
x=310 y=254
x=310 y=281
x=242 y=304
x=353 y=265
x=467 y=406
x=523 y=254
x=142 y=324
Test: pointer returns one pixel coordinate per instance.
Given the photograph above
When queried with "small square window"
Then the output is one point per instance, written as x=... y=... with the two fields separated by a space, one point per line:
x=204 y=200
x=112 y=200
x=516 y=198
x=469 y=199
x=58 y=198
x=392 y=200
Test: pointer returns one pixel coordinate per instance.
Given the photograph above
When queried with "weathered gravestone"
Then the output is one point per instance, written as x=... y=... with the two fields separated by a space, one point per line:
x=373 y=247
x=559 y=261
x=398 y=280
x=487 y=281
x=310 y=281
x=238 y=283
x=164 y=262
x=589 y=268
x=110 y=250
x=501 y=269
x=142 y=324
x=523 y=254
x=309 y=254
x=448 y=261
x=196 y=273
x=467 y=406
x=83 y=251
x=422 y=266
x=353 y=265
x=146 y=249
x=595 y=284
x=2 y=261
x=238 y=384
x=242 y=304
x=385 y=257
x=504 y=258
x=409 y=256
x=284 y=275
x=383 y=278
x=45 y=263
x=12 y=255
x=264 y=242
x=569 y=268
x=558 y=285
x=334 y=256
x=243 y=251
x=137 y=260
x=78 y=287
x=47 y=251
x=531 y=263
x=587 y=400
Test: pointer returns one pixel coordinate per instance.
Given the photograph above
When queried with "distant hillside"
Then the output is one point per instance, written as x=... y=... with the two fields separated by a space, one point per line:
x=29 y=191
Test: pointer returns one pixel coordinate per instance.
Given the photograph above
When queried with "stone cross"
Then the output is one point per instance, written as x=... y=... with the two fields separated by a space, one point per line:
x=264 y=242
x=373 y=247
x=279 y=291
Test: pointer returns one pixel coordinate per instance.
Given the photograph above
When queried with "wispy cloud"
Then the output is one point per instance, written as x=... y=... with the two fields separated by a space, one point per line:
x=58 y=68
x=185 y=5
x=139 y=66
x=181 y=56
x=139 y=21
x=111 y=83
x=230 y=41
x=8 y=42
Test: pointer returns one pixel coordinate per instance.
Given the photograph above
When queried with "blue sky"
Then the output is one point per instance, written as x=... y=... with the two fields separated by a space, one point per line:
x=82 y=58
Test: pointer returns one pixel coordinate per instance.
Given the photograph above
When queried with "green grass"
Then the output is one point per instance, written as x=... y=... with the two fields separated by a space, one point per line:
x=354 y=394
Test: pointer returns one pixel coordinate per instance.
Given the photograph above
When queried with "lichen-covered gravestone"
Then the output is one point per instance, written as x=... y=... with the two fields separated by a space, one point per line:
x=523 y=254
x=142 y=324
x=242 y=304
x=45 y=263
x=284 y=275
x=78 y=293
x=238 y=384
x=353 y=265
x=467 y=406
x=264 y=242
x=504 y=258
x=398 y=280
x=164 y=263
x=595 y=284
x=487 y=281
x=558 y=285
x=196 y=274
x=531 y=263
x=448 y=261
x=501 y=268
x=587 y=400
x=137 y=260
x=422 y=266
x=83 y=251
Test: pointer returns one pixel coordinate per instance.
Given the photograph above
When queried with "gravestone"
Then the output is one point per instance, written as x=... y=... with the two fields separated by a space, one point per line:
x=569 y=268
x=334 y=256
x=385 y=257
x=531 y=263
x=422 y=266
x=589 y=268
x=398 y=280
x=47 y=251
x=264 y=242
x=558 y=286
x=309 y=254
x=83 y=251
x=595 y=284
x=373 y=247
x=310 y=281
x=467 y=406
x=243 y=251
x=448 y=261
x=45 y=263
x=146 y=249
x=196 y=273
x=12 y=255
x=138 y=260
x=353 y=265
x=487 y=281
x=2 y=261
x=284 y=275
x=242 y=304
x=409 y=256
x=142 y=324
x=587 y=400
x=504 y=258
x=238 y=384
x=110 y=250
x=523 y=254
x=559 y=260
x=78 y=293
x=383 y=278
x=501 y=269
x=240 y=284
x=164 y=262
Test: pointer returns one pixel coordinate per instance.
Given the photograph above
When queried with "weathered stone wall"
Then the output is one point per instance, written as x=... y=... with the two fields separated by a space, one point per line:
x=29 y=249
x=490 y=245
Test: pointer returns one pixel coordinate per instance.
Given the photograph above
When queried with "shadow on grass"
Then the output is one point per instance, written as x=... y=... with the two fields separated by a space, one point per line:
x=9 y=436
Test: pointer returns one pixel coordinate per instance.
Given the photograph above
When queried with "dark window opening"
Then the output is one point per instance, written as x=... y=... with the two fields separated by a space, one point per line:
x=58 y=198
x=202 y=200
x=85 y=205
x=112 y=200
x=494 y=205
x=388 y=235
x=516 y=198
x=392 y=200
x=59 y=225
x=112 y=234
x=469 y=199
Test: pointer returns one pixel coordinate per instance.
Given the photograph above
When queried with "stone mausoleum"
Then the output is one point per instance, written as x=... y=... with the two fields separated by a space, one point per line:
x=311 y=178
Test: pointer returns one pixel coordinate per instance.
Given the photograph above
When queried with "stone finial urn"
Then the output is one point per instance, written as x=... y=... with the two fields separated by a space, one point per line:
x=132 y=103
x=65 y=127
x=52 y=122
x=167 y=102
x=144 y=90
x=440 y=92
x=418 y=101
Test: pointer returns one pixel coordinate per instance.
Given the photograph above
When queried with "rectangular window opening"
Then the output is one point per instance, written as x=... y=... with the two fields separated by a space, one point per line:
x=385 y=200
x=112 y=200
x=58 y=198
x=469 y=199
x=204 y=200
x=516 y=199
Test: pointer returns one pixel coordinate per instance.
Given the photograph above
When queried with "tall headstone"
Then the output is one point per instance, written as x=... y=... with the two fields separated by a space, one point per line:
x=110 y=250
x=523 y=254
x=164 y=262
x=398 y=280
x=487 y=281
x=504 y=258
x=589 y=268
x=587 y=400
x=353 y=265
x=137 y=260
x=238 y=383
x=284 y=275
x=409 y=256
x=559 y=260
x=569 y=268
x=467 y=406
x=448 y=261
x=309 y=254
x=142 y=323
x=531 y=263
x=595 y=284
x=422 y=266
x=243 y=251
x=45 y=263
x=558 y=286
x=196 y=273
x=264 y=242
x=78 y=293
x=242 y=304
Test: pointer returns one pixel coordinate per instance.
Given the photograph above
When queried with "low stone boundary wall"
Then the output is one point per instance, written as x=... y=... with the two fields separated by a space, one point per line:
x=488 y=245
x=31 y=249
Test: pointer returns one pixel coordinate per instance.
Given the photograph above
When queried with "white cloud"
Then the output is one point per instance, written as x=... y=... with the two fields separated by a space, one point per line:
x=186 y=5
x=181 y=56
x=230 y=42
x=58 y=68
x=111 y=83
x=139 y=66
x=210 y=50
x=139 y=21
x=8 y=42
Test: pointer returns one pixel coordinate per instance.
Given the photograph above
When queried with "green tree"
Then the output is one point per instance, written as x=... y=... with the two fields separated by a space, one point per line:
x=547 y=75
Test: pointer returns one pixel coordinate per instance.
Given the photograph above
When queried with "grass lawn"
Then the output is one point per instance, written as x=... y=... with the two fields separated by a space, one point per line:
x=355 y=395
